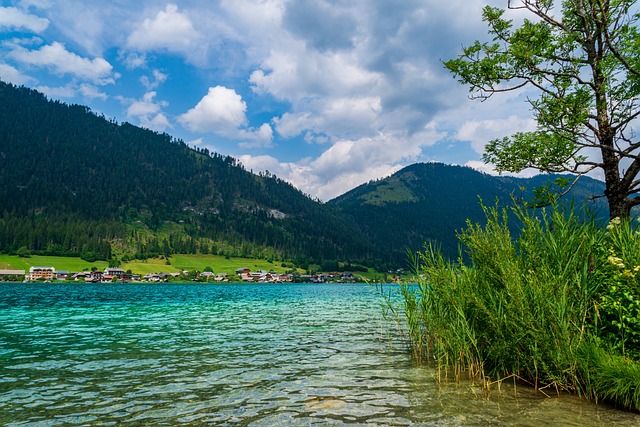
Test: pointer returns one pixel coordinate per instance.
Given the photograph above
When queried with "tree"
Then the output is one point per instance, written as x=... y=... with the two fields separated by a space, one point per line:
x=583 y=59
x=24 y=252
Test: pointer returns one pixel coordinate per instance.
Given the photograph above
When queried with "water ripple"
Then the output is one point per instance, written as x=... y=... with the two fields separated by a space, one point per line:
x=233 y=355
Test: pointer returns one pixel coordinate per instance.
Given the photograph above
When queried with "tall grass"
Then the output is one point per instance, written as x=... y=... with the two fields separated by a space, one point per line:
x=528 y=306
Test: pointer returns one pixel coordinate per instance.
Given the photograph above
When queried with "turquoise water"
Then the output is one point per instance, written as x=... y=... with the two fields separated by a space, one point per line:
x=235 y=355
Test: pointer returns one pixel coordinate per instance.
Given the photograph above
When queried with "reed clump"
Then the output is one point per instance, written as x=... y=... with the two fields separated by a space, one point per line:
x=556 y=306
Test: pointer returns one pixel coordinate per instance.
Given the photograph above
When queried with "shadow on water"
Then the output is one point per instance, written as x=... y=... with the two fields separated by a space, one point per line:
x=236 y=355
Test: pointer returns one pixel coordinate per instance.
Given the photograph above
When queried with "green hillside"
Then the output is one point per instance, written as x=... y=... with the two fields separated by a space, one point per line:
x=76 y=184
x=430 y=202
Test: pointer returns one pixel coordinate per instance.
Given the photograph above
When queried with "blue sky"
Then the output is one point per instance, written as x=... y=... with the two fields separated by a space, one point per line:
x=327 y=94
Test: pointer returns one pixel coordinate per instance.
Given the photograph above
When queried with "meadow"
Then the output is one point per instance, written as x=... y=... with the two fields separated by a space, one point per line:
x=177 y=263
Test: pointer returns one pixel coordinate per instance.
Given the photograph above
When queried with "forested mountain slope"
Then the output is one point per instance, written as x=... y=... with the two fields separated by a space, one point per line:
x=74 y=183
x=430 y=202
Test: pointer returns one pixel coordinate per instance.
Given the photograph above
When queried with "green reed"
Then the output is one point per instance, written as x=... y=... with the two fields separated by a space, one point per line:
x=529 y=306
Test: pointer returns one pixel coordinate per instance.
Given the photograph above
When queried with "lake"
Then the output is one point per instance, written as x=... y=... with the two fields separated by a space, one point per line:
x=236 y=355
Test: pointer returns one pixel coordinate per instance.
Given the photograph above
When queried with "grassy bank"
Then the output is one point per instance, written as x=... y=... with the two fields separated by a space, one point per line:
x=557 y=307
x=152 y=265
x=177 y=263
x=60 y=263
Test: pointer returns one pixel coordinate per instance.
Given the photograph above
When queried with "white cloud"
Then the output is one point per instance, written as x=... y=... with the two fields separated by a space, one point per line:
x=170 y=29
x=301 y=174
x=480 y=132
x=133 y=60
x=341 y=117
x=71 y=90
x=149 y=113
x=158 y=78
x=490 y=170
x=90 y=91
x=58 y=59
x=66 y=91
x=297 y=74
x=348 y=163
x=12 y=18
x=259 y=138
x=159 y=123
x=221 y=111
x=12 y=75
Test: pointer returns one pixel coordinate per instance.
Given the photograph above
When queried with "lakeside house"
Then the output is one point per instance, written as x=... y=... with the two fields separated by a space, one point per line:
x=206 y=275
x=40 y=273
x=221 y=277
x=113 y=274
x=118 y=273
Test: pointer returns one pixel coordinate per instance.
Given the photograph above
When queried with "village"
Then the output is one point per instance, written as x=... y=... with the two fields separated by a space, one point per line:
x=119 y=275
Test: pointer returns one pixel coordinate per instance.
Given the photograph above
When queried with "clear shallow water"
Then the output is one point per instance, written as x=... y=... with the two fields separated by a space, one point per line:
x=234 y=355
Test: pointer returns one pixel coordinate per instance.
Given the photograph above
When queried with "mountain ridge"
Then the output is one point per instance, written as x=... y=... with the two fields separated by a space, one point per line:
x=75 y=183
x=64 y=165
x=430 y=202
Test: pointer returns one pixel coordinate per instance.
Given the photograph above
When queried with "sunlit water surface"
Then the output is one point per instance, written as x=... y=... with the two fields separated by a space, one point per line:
x=235 y=355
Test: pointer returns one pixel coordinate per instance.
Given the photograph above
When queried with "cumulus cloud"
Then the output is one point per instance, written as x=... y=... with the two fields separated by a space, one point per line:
x=222 y=110
x=149 y=113
x=12 y=18
x=67 y=91
x=133 y=60
x=348 y=163
x=92 y=92
x=12 y=75
x=71 y=90
x=297 y=75
x=59 y=60
x=256 y=138
x=480 y=132
x=302 y=175
x=169 y=29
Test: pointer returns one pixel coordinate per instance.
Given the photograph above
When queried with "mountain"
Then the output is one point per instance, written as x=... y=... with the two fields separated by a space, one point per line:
x=430 y=202
x=75 y=183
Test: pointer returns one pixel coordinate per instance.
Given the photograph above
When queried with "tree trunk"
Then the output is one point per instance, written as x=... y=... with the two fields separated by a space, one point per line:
x=618 y=206
x=614 y=191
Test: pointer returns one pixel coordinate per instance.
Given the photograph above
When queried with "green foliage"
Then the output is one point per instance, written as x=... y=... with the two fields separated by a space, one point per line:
x=582 y=58
x=537 y=306
x=23 y=252
x=611 y=377
x=619 y=304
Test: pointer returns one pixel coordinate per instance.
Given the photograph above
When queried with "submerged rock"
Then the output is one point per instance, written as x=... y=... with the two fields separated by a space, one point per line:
x=324 y=402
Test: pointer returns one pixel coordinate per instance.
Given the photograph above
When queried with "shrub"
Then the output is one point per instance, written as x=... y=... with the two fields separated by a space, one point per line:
x=531 y=306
